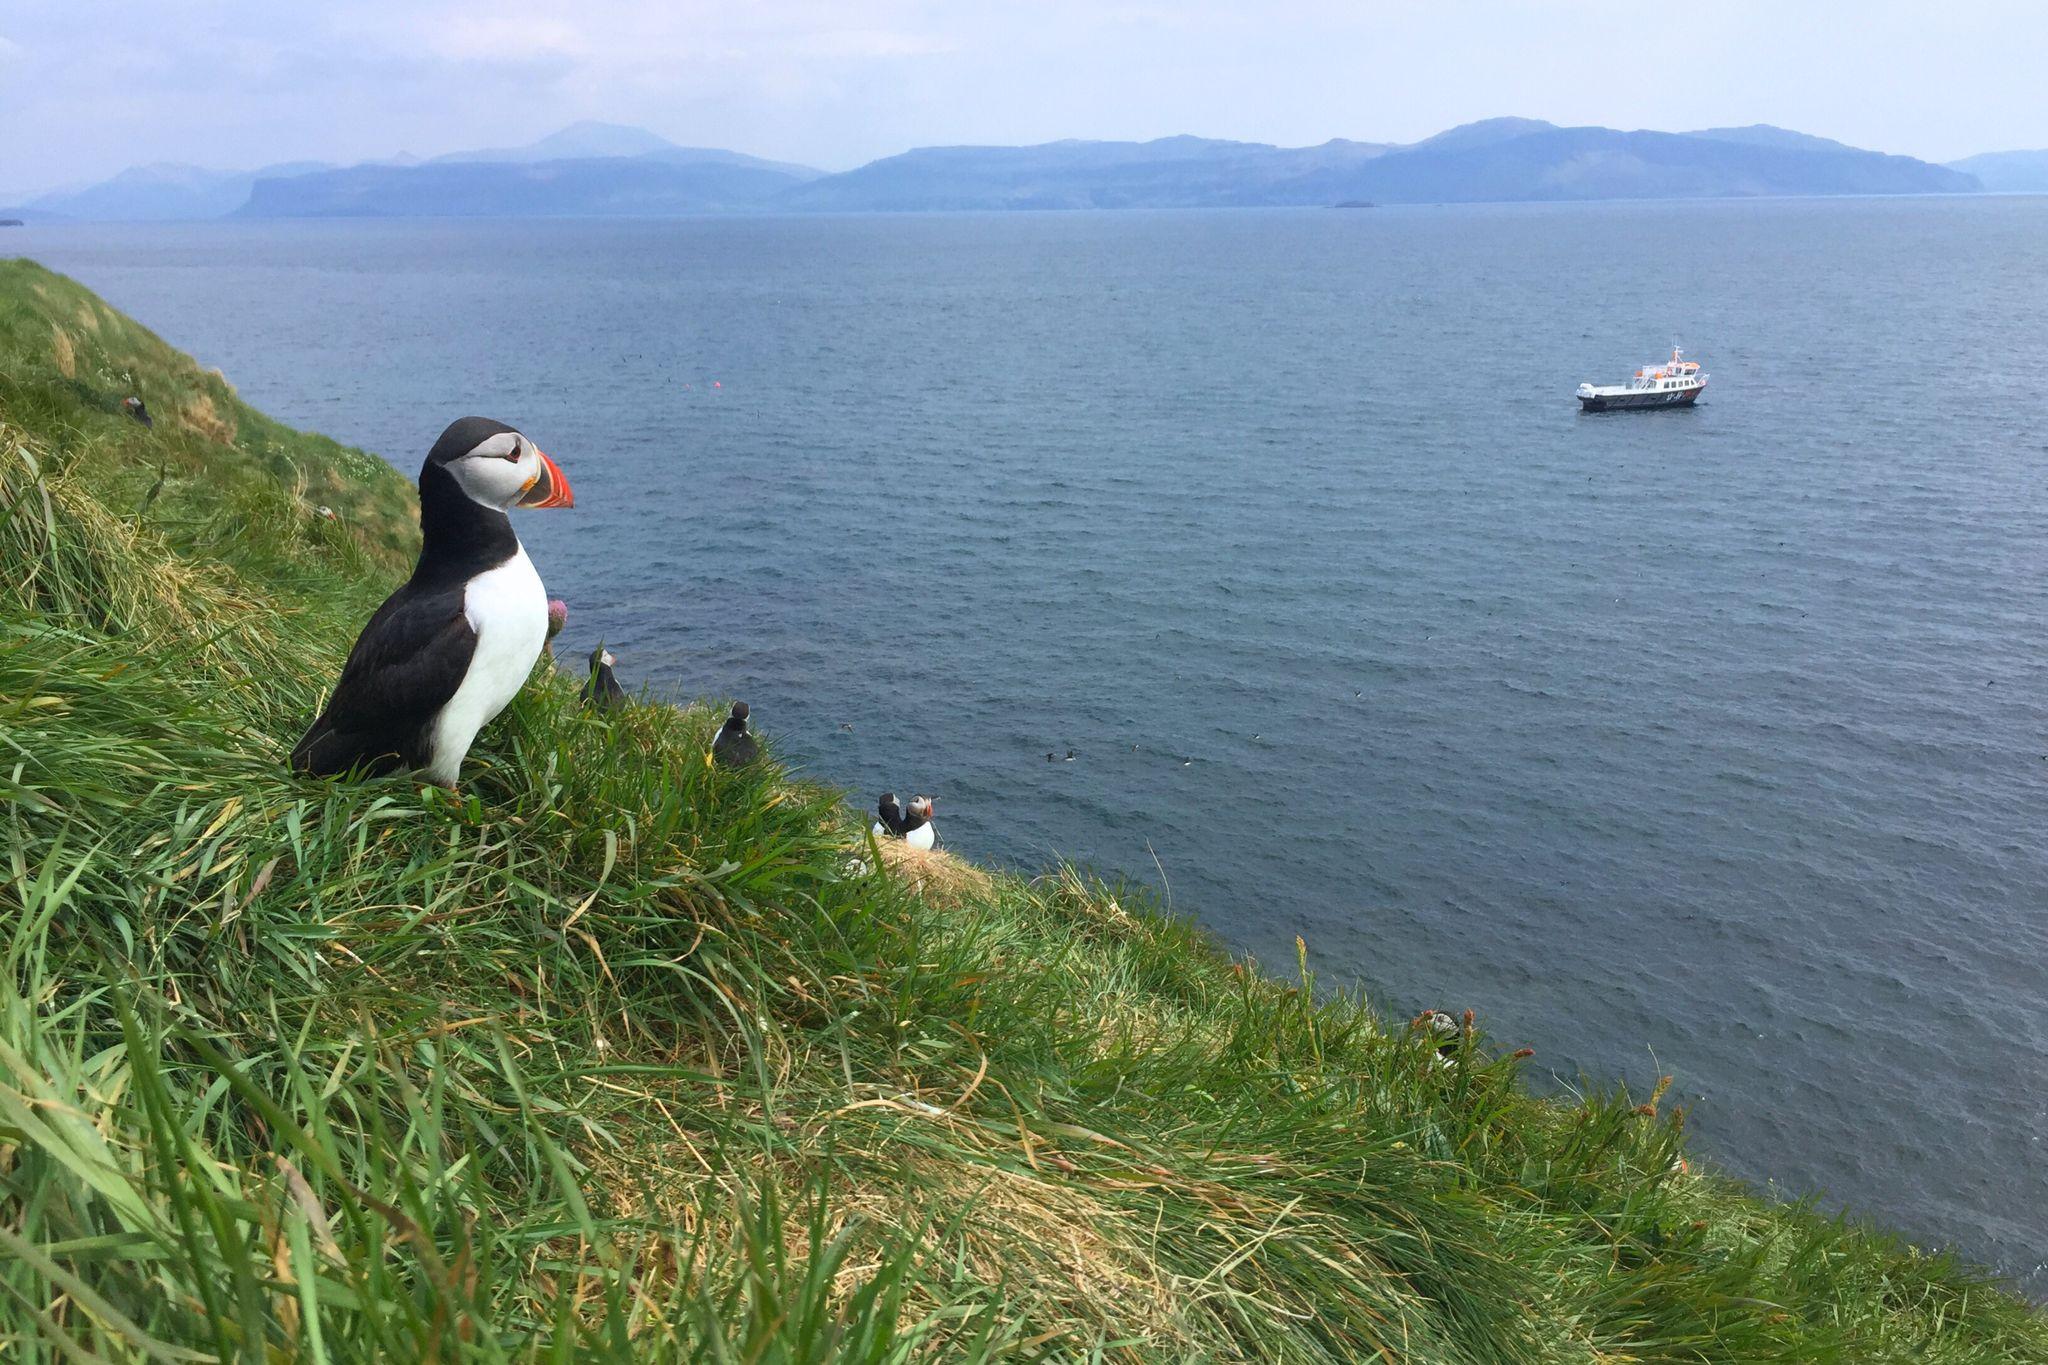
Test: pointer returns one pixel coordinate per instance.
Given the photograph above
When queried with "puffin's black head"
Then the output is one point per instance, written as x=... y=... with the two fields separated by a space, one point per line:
x=498 y=467
x=740 y=713
x=601 y=658
x=888 y=804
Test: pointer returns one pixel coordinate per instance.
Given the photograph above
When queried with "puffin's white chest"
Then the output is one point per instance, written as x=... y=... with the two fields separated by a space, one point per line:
x=508 y=609
x=924 y=836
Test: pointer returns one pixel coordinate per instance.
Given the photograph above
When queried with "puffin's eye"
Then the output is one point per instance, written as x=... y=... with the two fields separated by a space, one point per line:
x=514 y=453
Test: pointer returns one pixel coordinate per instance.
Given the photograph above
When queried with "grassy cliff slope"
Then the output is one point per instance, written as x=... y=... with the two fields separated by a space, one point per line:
x=620 y=1056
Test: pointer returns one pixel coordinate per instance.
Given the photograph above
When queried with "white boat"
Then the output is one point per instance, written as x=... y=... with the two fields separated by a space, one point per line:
x=1672 y=385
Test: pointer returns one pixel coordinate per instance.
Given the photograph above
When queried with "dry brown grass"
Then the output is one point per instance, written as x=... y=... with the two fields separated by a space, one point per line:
x=60 y=347
x=1088 y=1253
x=937 y=877
x=199 y=414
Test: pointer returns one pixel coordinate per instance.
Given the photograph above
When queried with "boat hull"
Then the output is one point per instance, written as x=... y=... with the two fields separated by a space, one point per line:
x=1666 y=398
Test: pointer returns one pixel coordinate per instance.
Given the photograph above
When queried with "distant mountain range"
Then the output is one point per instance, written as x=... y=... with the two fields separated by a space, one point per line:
x=159 y=192
x=1497 y=160
x=610 y=170
x=652 y=185
x=2007 y=172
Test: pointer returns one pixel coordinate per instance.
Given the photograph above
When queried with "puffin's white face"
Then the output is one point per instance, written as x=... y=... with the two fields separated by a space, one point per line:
x=609 y=658
x=922 y=806
x=507 y=470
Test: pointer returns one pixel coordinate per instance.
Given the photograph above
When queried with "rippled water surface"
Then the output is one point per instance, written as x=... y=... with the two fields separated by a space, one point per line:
x=1710 y=742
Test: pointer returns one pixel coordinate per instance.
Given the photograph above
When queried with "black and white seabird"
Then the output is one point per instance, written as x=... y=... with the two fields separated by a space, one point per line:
x=734 y=747
x=603 y=690
x=891 y=819
x=449 y=649
x=912 y=823
x=137 y=409
x=918 y=829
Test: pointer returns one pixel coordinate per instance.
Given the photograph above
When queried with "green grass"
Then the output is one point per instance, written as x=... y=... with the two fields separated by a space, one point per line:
x=618 y=1056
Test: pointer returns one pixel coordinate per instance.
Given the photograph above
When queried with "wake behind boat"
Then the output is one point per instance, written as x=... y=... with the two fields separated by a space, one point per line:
x=1672 y=385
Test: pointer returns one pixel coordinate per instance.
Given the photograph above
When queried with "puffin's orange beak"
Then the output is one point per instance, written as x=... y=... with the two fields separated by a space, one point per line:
x=550 y=488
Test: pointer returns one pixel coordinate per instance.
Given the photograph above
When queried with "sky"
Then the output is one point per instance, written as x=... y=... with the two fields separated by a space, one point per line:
x=89 y=87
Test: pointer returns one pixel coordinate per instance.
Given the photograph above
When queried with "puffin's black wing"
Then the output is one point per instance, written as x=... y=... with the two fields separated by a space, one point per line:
x=890 y=812
x=603 y=690
x=733 y=748
x=405 y=666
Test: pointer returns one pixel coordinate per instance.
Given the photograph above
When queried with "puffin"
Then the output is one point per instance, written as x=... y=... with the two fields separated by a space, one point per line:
x=734 y=747
x=1443 y=1029
x=891 y=818
x=603 y=690
x=451 y=648
x=918 y=829
x=135 y=408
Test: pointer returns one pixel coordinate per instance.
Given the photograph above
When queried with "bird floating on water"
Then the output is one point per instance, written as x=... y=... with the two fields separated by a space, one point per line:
x=449 y=649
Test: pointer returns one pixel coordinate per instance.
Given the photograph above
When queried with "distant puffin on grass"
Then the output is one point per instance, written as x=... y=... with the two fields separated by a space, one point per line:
x=889 y=816
x=603 y=690
x=918 y=829
x=449 y=649
x=735 y=747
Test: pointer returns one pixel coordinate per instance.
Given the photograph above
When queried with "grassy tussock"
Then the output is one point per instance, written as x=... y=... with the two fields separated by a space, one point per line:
x=935 y=876
x=623 y=1056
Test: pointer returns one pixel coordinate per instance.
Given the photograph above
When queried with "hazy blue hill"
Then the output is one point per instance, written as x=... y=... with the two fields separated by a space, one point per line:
x=1497 y=159
x=590 y=140
x=1602 y=163
x=163 y=192
x=1767 y=135
x=1174 y=172
x=519 y=186
x=2007 y=171
x=578 y=141
x=643 y=186
x=605 y=169
x=720 y=157
x=1484 y=133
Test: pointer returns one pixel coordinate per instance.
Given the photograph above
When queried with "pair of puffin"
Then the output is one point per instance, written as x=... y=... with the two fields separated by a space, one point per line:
x=451 y=648
x=912 y=823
